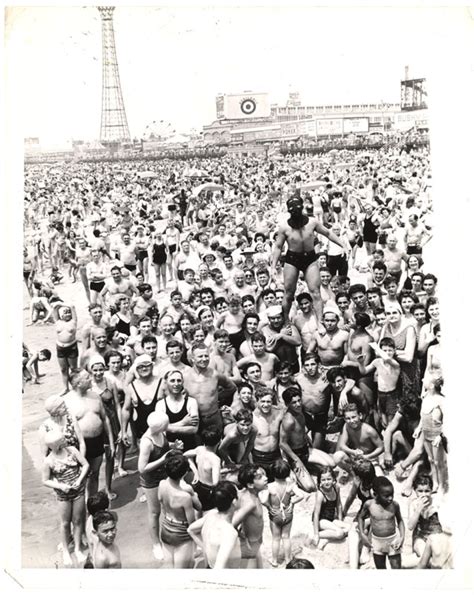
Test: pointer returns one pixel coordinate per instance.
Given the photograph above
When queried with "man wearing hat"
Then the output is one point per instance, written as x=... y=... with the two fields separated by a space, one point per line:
x=299 y=234
x=282 y=339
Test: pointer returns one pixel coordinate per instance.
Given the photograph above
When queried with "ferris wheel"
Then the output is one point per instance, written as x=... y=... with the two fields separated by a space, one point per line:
x=158 y=130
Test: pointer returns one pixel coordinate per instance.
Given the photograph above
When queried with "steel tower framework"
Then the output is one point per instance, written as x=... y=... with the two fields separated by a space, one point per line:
x=113 y=121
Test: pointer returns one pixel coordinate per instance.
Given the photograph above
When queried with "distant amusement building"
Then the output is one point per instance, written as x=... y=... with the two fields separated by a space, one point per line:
x=113 y=123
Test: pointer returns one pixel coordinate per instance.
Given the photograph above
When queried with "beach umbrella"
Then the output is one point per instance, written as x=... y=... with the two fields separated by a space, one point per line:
x=206 y=187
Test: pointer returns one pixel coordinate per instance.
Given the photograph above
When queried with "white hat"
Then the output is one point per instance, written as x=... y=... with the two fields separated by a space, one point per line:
x=157 y=421
x=143 y=360
x=95 y=359
x=274 y=311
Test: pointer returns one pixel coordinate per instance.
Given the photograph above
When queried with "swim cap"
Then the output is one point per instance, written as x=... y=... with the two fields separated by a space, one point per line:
x=157 y=421
x=96 y=359
x=53 y=403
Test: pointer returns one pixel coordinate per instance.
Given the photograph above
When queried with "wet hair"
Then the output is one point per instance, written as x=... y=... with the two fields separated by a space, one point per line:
x=280 y=366
x=362 y=319
x=211 y=436
x=176 y=466
x=144 y=287
x=304 y=296
x=299 y=563
x=243 y=415
x=381 y=482
x=246 y=367
x=364 y=470
x=290 y=393
x=281 y=469
x=99 y=501
x=390 y=280
x=221 y=333
x=334 y=373
x=247 y=474
x=46 y=353
x=149 y=339
x=387 y=342
x=223 y=494
x=423 y=479
x=351 y=407
x=326 y=469
x=309 y=356
x=101 y=517
x=356 y=288
x=380 y=265
x=173 y=343
x=257 y=336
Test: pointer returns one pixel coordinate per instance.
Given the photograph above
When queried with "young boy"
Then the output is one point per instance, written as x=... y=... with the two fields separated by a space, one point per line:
x=386 y=524
x=239 y=438
x=106 y=553
x=260 y=355
x=388 y=372
x=206 y=466
x=250 y=515
x=224 y=362
x=143 y=302
x=358 y=438
x=30 y=364
x=96 y=503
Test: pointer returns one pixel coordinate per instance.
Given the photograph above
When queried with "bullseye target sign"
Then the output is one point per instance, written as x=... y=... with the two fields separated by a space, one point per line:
x=248 y=106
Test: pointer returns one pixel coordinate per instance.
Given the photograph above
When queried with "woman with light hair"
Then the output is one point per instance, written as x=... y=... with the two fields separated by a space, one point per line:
x=60 y=419
x=65 y=470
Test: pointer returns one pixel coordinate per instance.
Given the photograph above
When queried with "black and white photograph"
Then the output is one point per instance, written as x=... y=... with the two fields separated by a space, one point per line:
x=247 y=282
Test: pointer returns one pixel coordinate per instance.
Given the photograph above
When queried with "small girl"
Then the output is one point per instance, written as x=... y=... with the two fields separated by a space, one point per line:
x=431 y=428
x=423 y=514
x=327 y=514
x=281 y=497
x=65 y=470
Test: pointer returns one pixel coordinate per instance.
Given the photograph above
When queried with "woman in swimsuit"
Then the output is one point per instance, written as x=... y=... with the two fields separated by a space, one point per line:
x=142 y=243
x=65 y=470
x=327 y=514
x=107 y=391
x=282 y=496
x=159 y=258
x=121 y=320
x=61 y=420
x=151 y=460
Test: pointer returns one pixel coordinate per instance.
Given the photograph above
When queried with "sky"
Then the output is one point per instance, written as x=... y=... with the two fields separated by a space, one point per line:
x=173 y=61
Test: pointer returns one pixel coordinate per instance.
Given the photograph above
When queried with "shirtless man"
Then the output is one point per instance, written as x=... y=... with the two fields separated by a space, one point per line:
x=266 y=360
x=394 y=258
x=202 y=383
x=316 y=399
x=224 y=362
x=215 y=533
x=97 y=321
x=358 y=350
x=358 y=438
x=282 y=339
x=86 y=406
x=332 y=346
x=238 y=440
x=66 y=341
x=250 y=515
x=99 y=346
x=118 y=286
x=305 y=320
x=178 y=505
x=206 y=466
x=298 y=232
x=267 y=420
x=294 y=440
x=105 y=553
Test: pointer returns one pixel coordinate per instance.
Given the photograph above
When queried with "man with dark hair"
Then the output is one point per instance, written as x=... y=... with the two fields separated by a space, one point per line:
x=298 y=232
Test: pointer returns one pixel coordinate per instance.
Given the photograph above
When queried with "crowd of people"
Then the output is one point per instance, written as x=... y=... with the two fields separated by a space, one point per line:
x=260 y=332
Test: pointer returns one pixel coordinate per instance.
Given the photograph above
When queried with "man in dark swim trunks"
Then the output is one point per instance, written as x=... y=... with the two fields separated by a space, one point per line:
x=299 y=233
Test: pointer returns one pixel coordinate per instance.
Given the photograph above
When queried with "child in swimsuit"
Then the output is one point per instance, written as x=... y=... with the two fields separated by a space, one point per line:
x=327 y=514
x=282 y=496
x=423 y=518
